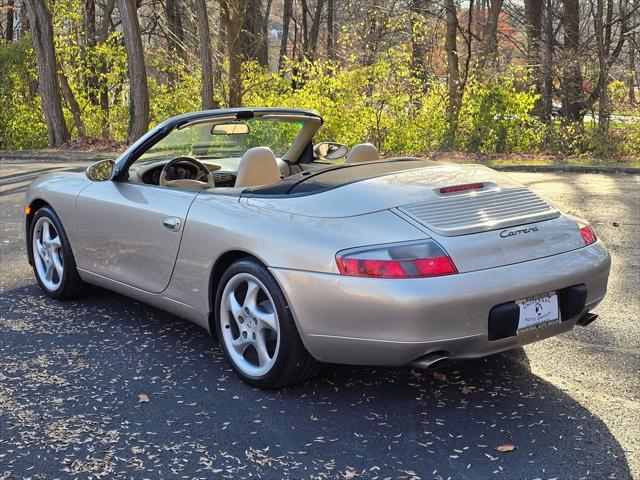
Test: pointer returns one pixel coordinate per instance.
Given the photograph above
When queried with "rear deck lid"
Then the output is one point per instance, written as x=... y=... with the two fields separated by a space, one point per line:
x=511 y=245
x=486 y=206
x=416 y=188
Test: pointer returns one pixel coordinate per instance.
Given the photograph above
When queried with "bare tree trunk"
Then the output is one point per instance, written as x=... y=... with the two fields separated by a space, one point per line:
x=305 y=29
x=453 y=70
x=265 y=30
x=8 y=32
x=172 y=36
x=533 y=14
x=204 y=41
x=72 y=103
x=315 y=28
x=106 y=20
x=90 y=42
x=233 y=12
x=572 y=94
x=632 y=68
x=606 y=57
x=24 y=20
x=489 y=45
x=603 y=104
x=90 y=22
x=331 y=33
x=253 y=43
x=138 y=88
x=547 y=96
x=221 y=41
x=105 y=26
x=170 y=12
x=417 y=17
x=180 y=40
x=286 y=19
x=42 y=31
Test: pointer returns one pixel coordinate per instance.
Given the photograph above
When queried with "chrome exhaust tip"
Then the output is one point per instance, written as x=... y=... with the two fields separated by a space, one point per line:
x=586 y=319
x=429 y=360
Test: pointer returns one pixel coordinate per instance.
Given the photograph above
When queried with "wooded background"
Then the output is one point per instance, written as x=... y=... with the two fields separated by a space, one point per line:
x=557 y=76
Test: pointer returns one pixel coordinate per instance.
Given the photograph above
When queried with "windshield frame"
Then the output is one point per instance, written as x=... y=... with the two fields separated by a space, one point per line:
x=312 y=123
x=195 y=140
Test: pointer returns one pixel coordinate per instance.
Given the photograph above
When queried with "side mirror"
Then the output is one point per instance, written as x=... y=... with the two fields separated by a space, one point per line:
x=330 y=150
x=101 y=171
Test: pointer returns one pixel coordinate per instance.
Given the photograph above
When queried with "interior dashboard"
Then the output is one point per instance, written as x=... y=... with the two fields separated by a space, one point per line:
x=224 y=170
x=150 y=173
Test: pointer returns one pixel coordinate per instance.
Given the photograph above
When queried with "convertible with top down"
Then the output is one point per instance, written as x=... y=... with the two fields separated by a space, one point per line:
x=293 y=253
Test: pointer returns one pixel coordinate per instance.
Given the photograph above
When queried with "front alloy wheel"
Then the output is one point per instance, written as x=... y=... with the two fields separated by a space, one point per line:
x=47 y=254
x=53 y=262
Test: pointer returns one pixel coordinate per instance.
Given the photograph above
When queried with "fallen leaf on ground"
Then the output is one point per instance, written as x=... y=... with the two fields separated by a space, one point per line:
x=507 y=447
x=349 y=473
x=440 y=376
x=143 y=398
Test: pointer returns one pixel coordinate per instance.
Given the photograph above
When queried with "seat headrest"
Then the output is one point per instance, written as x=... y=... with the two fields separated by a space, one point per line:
x=258 y=166
x=364 y=152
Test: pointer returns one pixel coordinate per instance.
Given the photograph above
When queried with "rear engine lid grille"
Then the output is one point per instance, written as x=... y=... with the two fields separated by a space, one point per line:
x=480 y=211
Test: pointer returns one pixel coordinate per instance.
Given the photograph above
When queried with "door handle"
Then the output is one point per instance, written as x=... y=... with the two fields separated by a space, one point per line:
x=171 y=223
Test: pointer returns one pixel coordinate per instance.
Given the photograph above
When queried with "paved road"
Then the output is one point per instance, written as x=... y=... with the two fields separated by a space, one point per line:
x=71 y=375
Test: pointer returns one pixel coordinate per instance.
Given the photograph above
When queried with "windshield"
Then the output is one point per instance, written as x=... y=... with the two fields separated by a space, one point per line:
x=224 y=139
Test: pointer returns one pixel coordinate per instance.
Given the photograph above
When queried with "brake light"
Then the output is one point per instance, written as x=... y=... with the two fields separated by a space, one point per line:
x=588 y=235
x=462 y=188
x=402 y=260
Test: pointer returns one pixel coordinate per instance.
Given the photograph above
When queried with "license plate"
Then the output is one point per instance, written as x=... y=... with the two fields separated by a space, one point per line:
x=538 y=312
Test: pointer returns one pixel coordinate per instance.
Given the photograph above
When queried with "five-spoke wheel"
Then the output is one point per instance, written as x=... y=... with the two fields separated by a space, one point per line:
x=256 y=329
x=250 y=328
x=47 y=253
x=51 y=256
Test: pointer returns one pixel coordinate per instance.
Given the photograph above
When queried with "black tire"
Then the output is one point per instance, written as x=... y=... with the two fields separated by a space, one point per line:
x=293 y=363
x=71 y=285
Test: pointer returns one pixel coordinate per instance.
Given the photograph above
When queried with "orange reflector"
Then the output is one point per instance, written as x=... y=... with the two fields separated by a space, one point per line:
x=26 y=209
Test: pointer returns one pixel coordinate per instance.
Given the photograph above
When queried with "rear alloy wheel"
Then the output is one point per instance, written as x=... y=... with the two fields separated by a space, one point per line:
x=256 y=329
x=53 y=262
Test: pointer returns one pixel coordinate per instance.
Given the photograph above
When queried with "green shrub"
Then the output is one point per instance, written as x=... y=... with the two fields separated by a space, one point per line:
x=382 y=103
x=496 y=118
x=21 y=121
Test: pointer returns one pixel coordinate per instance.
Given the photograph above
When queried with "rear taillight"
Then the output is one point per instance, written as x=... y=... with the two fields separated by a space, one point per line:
x=588 y=235
x=402 y=260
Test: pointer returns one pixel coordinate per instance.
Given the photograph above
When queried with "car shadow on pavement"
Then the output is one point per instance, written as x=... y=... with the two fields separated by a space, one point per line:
x=73 y=374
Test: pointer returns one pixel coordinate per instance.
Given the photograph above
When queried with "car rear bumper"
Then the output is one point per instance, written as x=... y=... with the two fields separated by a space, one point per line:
x=368 y=321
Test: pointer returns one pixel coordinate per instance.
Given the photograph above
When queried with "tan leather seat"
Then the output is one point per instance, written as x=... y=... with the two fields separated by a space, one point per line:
x=364 y=152
x=258 y=166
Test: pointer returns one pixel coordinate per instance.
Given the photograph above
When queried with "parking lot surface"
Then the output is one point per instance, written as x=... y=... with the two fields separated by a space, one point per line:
x=108 y=387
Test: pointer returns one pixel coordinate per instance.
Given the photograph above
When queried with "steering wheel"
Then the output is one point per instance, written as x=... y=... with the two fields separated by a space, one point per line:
x=187 y=182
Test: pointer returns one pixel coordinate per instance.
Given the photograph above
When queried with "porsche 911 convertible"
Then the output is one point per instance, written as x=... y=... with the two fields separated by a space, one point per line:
x=293 y=253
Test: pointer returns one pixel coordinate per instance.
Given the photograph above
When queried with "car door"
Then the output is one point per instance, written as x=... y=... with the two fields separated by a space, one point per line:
x=131 y=232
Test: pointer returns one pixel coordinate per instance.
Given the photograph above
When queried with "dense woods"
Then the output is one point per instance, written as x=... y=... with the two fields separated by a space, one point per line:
x=559 y=76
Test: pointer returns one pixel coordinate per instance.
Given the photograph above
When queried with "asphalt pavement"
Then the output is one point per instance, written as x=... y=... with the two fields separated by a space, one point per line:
x=106 y=387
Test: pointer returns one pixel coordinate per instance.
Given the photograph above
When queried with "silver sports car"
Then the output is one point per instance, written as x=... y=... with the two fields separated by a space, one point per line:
x=293 y=253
